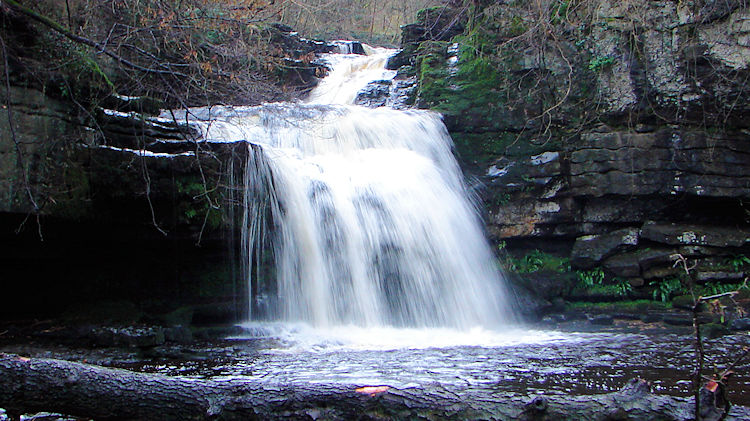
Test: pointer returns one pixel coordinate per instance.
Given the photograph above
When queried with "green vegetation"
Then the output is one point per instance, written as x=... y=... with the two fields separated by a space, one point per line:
x=196 y=203
x=600 y=63
x=666 y=288
x=715 y=288
x=590 y=278
x=738 y=262
x=593 y=282
x=536 y=261
x=559 y=11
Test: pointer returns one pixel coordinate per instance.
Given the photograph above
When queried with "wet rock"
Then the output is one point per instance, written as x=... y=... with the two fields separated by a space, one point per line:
x=616 y=210
x=626 y=316
x=547 y=284
x=740 y=324
x=531 y=307
x=719 y=276
x=592 y=249
x=651 y=318
x=396 y=93
x=350 y=47
x=142 y=337
x=215 y=332
x=636 y=282
x=661 y=163
x=400 y=59
x=685 y=302
x=661 y=272
x=178 y=334
x=602 y=320
x=119 y=125
x=623 y=265
x=576 y=315
x=375 y=94
x=655 y=257
x=297 y=46
x=182 y=316
x=678 y=234
x=528 y=217
x=403 y=92
x=218 y=313
x=713 y=330
x=678 y=319
x=699 y=251
x=555 y=318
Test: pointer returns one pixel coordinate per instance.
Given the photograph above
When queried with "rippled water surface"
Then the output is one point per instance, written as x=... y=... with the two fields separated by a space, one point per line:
x=523 y=361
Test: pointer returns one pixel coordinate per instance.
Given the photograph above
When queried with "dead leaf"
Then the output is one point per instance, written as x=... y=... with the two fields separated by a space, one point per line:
x=711 y=386
x=372 y=390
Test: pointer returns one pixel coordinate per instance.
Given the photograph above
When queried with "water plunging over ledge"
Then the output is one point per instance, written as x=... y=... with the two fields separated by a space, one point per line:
x=365 y=210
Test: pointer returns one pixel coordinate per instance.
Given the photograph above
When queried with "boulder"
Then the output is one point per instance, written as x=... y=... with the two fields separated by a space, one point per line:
x=547 y=284
x=592 y=249
x=655 y=257
x=623 y=265
x=719 y=276
x=375 y=94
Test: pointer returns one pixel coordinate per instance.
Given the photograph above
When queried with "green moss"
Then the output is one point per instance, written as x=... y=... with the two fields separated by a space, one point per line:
x=625 y=305
x=516 y=27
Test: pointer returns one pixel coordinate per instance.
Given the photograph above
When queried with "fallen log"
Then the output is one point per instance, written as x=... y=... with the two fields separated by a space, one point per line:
x=37 y=384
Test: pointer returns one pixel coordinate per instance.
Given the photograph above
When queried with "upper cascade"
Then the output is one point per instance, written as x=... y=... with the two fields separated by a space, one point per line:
x=350 y=73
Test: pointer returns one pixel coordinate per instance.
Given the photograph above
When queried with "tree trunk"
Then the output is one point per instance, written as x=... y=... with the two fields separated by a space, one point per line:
x=33 y=385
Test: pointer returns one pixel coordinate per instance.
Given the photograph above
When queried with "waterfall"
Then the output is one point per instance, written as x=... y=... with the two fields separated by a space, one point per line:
x=364 y=211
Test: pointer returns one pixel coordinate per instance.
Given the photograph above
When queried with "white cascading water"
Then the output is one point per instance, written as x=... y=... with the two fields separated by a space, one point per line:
x=370 y=222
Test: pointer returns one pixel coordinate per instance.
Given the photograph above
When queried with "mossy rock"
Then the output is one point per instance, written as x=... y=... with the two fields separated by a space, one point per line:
x=714 y=330
x=685 y=302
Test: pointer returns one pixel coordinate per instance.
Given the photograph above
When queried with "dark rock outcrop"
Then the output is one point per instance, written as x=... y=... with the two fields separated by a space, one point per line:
x=592 y=249
x=438 y=23
x=112 y=211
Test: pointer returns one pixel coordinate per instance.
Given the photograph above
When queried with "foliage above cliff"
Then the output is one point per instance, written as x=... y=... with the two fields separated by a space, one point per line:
x=365 y=20
x=189 y=52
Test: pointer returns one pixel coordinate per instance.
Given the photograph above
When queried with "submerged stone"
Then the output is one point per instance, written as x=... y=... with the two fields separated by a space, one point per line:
x=740 y=324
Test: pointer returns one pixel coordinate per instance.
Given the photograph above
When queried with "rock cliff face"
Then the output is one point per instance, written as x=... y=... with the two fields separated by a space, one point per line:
x=610 y=133
x=118 y=211
x=100 y=200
